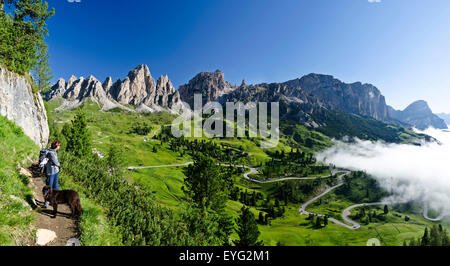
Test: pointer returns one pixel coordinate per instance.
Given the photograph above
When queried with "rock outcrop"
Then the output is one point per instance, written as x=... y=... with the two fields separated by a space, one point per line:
x=138 y=89
x=418 y=115
x=211 y=85
x=19 y=104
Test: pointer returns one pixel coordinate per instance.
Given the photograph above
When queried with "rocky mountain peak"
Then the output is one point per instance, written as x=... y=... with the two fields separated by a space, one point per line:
x=211 y=85
x=107 y=84
x=419 y=115
x=165 y=85
x=419 y=106
x=137 y=89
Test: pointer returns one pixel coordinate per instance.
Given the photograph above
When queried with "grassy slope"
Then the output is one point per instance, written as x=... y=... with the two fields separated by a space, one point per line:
x=165 y=183
x=93 y=224
x=16 y=149
x=111 y=129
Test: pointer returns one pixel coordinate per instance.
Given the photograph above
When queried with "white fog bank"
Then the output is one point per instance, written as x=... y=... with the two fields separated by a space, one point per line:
x=411 y=172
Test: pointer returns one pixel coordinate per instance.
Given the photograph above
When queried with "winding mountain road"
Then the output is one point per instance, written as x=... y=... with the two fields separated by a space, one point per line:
x=349 y=223
x=437 y=219
x=158 y=166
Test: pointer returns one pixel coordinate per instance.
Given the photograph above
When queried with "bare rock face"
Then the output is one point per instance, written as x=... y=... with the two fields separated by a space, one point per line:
x=19 y=104
x=107 y=84
x=211 y=85
x=317 y=91
x=77 y=91
x=138 y=89
x=58 y=89
x=355 y=98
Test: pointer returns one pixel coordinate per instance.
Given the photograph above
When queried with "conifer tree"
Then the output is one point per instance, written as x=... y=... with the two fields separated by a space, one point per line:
x=78 y=139
x=261 y=218
x=22 y=32
x=42 y=72
x=425 y=238
x=247 y=229
x=204 y=184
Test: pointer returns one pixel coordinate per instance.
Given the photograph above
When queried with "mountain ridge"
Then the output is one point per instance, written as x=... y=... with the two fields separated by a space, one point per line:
x=137 y=89
x=302 y=96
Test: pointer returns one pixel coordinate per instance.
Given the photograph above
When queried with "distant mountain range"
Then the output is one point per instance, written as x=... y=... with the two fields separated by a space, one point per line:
x=419 y=115
x=445 y=117
x=304 y=99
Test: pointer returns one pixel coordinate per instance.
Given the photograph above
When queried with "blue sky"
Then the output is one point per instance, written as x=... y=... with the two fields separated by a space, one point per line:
x=400 y=46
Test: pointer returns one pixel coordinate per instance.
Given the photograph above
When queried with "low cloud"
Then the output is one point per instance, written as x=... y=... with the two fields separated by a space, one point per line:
x=412 y=173
x=374 y=1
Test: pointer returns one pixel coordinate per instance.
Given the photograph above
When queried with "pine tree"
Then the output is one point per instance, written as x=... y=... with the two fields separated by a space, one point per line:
x=225 y=226
x=114 y=160
x=78 y=139
x=266 y=219
x=445 y=238
x=318 y=223
x=425 y=238
x=22 y=32
x=42 y=72
x=386 y=209
x=247 y=229
x=204 y=184
x=261 y=218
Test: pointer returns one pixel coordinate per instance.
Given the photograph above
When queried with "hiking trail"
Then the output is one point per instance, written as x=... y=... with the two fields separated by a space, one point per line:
x=51 y=231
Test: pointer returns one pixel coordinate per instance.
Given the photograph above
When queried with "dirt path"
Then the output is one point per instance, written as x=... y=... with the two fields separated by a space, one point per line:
x=63 y=226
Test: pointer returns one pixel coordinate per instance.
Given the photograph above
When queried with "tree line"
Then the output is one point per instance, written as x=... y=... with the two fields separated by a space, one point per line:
x=435 y=236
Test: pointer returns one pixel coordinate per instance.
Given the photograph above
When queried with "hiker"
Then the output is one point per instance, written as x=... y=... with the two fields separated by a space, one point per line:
x=52 y=167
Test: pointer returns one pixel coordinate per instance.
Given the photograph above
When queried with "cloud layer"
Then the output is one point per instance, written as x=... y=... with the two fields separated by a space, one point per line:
x=412 y=173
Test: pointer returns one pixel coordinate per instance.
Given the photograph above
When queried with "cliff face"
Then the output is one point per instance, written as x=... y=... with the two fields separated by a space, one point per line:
x=315 y=90
x=354 y=98
x=19 y=104
x=211 y=85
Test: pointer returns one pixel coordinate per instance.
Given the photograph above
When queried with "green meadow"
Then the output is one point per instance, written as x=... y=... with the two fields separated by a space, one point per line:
x=165 y=184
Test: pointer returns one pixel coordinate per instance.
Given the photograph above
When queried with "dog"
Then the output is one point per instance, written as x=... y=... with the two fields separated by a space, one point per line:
x=55 y=197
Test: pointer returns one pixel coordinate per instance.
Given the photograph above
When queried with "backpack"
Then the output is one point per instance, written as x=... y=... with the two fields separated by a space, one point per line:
x=43 y=159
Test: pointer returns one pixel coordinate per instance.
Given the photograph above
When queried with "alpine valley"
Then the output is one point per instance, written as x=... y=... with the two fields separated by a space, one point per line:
x=346 y=167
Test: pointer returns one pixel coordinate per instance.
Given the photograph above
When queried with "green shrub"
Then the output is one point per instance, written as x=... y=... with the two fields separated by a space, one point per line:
x=132 y=210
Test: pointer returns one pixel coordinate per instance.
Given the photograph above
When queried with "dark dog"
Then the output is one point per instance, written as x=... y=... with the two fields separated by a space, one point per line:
x=56 y=197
